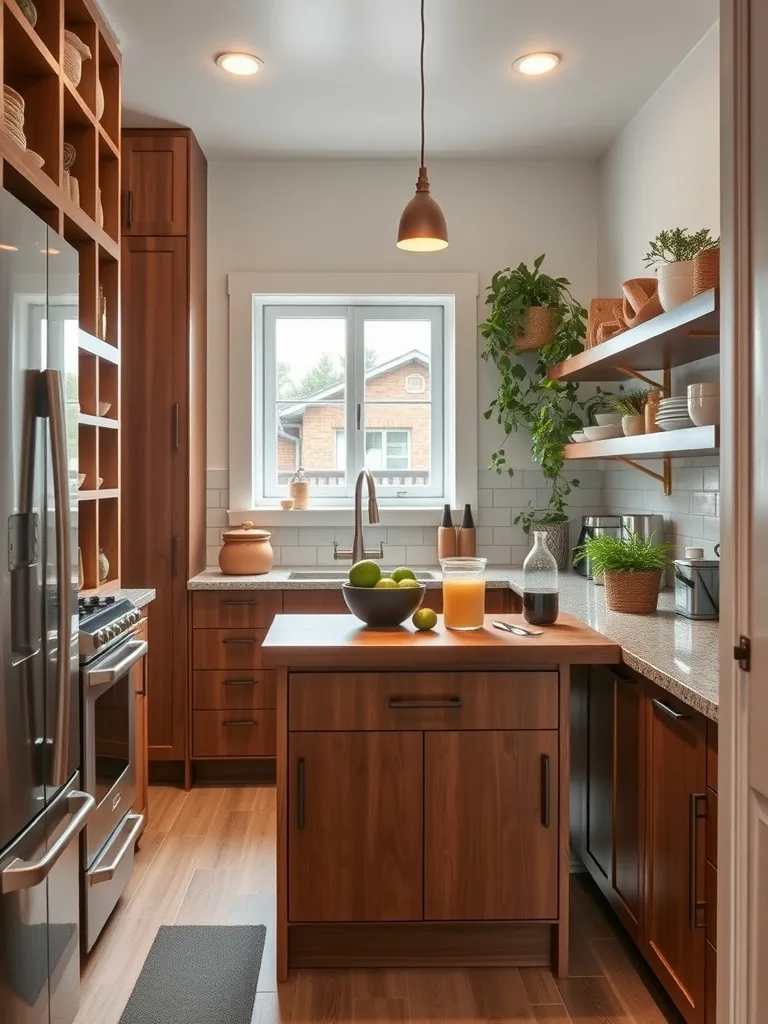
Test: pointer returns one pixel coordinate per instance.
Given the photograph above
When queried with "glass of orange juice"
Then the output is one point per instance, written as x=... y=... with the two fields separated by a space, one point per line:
x=463 y=592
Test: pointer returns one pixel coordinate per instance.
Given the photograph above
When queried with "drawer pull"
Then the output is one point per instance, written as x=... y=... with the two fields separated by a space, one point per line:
x=231 y=601
x=238 y=682
x=668 y=711
x=453 y=703
x=239 y=640
x=302 y=787
x=545 y=790
x=240 y=722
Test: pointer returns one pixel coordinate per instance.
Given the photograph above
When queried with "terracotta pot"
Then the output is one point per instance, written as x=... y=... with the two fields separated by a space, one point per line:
x=246 y=552
x=675 y=283
x=633 y=592
x=633 y=425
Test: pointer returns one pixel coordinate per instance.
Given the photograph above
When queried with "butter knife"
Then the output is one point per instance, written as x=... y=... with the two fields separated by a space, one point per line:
x=507 y=627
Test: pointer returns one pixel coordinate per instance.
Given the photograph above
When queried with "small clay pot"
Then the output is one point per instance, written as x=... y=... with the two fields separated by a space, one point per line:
x=246 y=552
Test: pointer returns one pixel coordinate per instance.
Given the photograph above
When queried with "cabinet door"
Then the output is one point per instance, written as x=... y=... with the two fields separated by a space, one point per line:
x=600 y=770
x=629 y=800
x=491 y=817
x=154 y=492
x=155 y=184
x=675 y=837
x=355 y=846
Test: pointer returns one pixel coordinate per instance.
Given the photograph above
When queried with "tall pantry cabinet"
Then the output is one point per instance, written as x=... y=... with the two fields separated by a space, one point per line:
x=164 y=184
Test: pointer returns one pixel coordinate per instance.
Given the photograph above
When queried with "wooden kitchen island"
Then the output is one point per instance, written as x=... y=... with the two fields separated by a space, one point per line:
x=422 y=792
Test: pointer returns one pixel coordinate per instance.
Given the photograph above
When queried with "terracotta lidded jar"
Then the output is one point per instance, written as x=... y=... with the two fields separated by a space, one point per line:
x=246 y=551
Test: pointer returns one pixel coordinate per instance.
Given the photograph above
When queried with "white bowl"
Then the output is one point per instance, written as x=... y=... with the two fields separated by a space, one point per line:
x=679 y=424
x=579 y=437
x=605 y=419
x=702 y=390
x=605 y=433
x=705 y=411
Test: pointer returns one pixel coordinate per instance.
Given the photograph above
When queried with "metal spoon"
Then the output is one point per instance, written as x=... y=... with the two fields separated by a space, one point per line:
x=507 y=627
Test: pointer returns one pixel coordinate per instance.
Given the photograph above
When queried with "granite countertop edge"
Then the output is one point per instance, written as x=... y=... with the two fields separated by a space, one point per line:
x=141 y=596
x=579 y=597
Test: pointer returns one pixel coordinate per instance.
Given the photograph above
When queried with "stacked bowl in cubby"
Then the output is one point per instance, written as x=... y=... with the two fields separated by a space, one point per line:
x=13 y=116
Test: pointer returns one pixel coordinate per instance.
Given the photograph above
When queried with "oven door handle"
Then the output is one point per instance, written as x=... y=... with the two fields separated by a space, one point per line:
x=106 y=872
x=109 y=671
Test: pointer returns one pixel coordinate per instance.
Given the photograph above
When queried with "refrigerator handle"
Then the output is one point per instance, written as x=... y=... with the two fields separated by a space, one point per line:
x=57 y=423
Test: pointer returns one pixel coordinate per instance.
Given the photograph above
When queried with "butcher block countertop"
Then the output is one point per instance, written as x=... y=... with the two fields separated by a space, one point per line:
x=341 y=641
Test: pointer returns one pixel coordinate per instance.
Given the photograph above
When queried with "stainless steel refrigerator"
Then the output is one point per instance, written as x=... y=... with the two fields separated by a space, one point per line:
x=41 y=806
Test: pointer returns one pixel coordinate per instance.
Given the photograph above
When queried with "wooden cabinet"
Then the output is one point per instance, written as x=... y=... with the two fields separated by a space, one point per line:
x=675 y=850
x=331 y=602
x=600 y=770
x=491 y=818
x=163 y=405
x=155 y=184
x=629 y=799
x=355 y=830
x=141 y=741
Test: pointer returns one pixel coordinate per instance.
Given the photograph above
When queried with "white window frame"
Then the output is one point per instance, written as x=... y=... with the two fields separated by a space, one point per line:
x=250 y=291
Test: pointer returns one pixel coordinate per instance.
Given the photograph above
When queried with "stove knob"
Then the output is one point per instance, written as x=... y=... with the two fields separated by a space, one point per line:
x=135 y=616
x=99 y=638
x=113 y=630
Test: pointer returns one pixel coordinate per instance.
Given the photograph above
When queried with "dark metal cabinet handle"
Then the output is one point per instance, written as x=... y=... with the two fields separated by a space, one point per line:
x=239 y=722
x=238 y=640
x=301 y=816
x=546 y=782
x=238 y=682
x=231 y=601
x=176 y=425
x=694 y=903
x=129 y=208
x=668 y=711
x=453 y=703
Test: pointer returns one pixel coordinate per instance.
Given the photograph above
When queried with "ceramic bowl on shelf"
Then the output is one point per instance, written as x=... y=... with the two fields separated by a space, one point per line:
x=579 y=437
x=605 y=419
x=606 y=433
x=704 y=410
x=671 y=423
x=80 y=480
x=104 y=408
x=700 y=390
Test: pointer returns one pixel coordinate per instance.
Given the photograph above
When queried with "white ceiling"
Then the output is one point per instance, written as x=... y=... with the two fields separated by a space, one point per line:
x=340 y=77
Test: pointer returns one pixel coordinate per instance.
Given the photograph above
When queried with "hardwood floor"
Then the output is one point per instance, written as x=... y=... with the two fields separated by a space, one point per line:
x=208 y=857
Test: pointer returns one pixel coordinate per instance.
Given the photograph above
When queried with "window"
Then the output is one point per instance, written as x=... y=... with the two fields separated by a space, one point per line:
x=351 y=386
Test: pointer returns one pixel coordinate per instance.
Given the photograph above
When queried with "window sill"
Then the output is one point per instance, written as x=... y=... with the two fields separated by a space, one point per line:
x=345 y=516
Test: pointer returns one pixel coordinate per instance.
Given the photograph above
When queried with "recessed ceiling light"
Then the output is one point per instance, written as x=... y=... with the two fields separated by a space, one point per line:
x=536 y=63
x=8 y=248
x=51 y=252
x=239 y=63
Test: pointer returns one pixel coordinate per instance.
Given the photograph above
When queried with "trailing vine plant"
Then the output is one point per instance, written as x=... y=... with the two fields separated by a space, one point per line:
x=526 y=399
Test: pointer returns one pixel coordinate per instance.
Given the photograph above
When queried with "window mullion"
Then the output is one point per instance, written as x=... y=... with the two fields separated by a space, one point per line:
x=352 y=399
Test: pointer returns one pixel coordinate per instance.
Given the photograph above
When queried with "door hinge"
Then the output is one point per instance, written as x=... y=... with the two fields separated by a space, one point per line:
x=743 y=654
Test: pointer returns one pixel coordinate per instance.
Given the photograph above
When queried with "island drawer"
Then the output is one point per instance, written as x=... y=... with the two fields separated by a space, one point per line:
x=221 y=691
x=234 y=734
x=227 y=648
x=353 y=701
x=235 y=609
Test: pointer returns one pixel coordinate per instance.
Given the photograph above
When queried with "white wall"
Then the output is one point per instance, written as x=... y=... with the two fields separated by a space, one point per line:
x=663 y=172
x=342 y=215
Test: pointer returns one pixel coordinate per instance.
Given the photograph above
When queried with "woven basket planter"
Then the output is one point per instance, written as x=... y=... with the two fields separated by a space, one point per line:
x=706 y=270
x=558 y=535
x=539 y=329
x=633 y=592
x=633 y=425
x=75 y=52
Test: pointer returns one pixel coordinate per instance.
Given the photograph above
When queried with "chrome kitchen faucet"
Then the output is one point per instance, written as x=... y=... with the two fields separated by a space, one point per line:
x=358 y=552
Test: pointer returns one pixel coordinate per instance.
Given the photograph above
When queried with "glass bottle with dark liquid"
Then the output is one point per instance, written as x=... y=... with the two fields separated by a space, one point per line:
x=541 y=594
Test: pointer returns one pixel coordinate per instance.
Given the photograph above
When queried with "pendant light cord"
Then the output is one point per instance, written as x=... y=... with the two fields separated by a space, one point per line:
x=422 y=81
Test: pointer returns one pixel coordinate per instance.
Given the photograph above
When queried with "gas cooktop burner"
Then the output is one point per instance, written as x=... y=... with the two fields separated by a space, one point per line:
x=105 y=622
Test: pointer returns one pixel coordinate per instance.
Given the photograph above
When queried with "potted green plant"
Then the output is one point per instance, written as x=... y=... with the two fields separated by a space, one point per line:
x=526 y=399
x=631 y=567
x=672 y=253
x=631 y=405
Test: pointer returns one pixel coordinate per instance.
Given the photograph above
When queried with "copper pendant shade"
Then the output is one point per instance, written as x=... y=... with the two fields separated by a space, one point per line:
x=422 y=224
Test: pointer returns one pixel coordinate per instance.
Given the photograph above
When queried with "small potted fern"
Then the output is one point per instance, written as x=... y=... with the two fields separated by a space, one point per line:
x=631 y=405
x=632 y=568
x=672 y=253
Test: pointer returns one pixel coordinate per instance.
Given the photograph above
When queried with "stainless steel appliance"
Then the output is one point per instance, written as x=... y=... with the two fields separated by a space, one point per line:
x=42 y=808
x=697 y=588
x=595 y=526
x=109 y=657
x=645 y=526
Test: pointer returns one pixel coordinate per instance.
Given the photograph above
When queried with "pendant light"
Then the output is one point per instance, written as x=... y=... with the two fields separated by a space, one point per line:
x=422 y=224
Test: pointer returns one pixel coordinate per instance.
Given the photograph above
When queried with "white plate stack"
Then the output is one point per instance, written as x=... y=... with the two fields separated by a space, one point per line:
x=13 y=116
x=673 y=414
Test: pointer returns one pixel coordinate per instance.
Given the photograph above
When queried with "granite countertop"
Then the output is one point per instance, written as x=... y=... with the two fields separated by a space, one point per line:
x=277 y=579
x=679 y=654
x=141 y=596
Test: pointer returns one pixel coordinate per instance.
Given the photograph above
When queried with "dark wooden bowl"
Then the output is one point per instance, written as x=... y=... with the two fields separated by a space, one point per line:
x=383 y=607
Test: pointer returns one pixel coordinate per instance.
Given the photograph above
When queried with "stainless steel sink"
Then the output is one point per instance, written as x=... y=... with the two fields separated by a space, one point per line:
x=332 y=574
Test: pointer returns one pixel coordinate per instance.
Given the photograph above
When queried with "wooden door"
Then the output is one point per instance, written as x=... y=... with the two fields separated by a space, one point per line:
x=629 y=800
x=491 y=815
x=675 y=849
x=155 y=184
x=141 y=749
x=154 y=505
x=600 y=770
x=355 y=845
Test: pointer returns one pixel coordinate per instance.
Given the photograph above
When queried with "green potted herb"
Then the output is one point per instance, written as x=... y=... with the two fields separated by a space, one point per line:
x=632 y=568
x=672 y=253
x=550 y=410
x=631 y=405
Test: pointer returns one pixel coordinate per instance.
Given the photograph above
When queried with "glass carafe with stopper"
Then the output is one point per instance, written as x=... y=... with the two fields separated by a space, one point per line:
x=541 y=596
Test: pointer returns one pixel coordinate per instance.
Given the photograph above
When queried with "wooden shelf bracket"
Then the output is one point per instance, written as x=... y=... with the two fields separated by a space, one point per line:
x=665 y=476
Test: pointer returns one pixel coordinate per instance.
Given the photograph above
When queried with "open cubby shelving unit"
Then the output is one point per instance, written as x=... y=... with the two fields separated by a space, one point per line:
x=683 y=335
x=57 y=111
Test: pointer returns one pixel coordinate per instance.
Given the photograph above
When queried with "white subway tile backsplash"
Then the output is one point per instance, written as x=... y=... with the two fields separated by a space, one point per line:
x=298 y=556
x=395 y=555
x=405 y=535
x=711 y=478
x=216 y=478
x=711 y=528
x=484 y=535
x=686 y=526
x=213 y=498
x=516 y=498
x=213 y=537
x=494 y=517
x=508 y=535
x=496 y=554
x=217 y=517
x=424 y=554
x=704 y=503
x=485 y=496
x=316 y=536
x=490 y=479
x=687 y=479
x=533 y=478
x=285 y=536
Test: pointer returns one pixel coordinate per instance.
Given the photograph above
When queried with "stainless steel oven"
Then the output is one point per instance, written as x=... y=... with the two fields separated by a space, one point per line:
x=109 y=770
